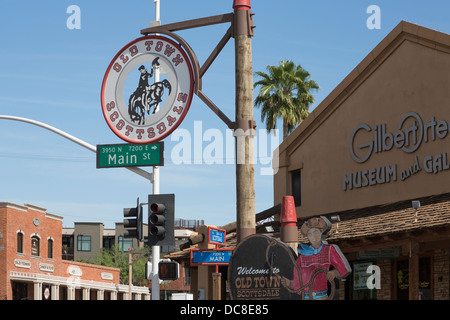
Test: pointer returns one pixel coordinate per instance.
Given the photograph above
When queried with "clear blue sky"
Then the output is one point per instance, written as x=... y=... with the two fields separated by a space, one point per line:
x=53 y=74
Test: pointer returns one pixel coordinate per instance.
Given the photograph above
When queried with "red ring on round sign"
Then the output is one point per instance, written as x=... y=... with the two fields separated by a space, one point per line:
x=128 y=120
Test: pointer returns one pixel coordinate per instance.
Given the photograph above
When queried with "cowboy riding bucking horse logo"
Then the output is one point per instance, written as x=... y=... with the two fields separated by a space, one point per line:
x=146 y=96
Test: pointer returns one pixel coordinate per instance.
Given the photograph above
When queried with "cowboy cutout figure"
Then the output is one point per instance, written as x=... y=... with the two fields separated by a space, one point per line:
x=314 y=261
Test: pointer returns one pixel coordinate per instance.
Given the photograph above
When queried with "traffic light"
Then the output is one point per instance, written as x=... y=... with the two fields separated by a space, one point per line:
x=168 y=270
x=134 y=225
x=161 y=214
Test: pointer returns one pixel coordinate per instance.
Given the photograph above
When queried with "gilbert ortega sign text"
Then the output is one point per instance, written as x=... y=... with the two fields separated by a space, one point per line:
x=411 y=132
x=129 y=155
x=147 y=89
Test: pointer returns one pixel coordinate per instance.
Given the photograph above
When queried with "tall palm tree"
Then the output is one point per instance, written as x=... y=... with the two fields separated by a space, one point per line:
x=285 y=93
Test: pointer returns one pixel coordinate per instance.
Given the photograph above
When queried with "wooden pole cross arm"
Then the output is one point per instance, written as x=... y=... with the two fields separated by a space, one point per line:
x=189 y=24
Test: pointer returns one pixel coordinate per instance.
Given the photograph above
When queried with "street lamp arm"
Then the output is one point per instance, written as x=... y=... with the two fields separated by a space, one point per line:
x=53 y=129
x=80 y=142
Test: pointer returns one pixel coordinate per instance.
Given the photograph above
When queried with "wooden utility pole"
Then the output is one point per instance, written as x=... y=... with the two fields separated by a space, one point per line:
x=245 y=171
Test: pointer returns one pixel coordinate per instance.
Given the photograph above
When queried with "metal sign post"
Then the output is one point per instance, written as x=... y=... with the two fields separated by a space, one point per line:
x=156 y=249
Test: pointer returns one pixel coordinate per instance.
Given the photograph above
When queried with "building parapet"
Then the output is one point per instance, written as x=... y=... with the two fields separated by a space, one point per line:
x=76 y=282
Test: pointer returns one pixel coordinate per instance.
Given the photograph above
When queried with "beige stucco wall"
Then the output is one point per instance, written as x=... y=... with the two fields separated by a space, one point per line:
x=406 y=73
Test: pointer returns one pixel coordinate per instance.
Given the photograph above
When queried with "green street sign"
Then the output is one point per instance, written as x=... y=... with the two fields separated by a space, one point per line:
x=130 y=155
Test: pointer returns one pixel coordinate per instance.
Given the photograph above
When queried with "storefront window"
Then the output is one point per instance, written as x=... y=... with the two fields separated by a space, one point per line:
x=425 y=278
x=402 y=282
x=84 y=243
x=402 y=279
x=19 y=290
x=356 y=285
x=296 y=187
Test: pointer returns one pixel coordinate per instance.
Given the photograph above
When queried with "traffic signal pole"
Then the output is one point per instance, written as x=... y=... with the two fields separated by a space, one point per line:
x=155 y=253
x=156 y=249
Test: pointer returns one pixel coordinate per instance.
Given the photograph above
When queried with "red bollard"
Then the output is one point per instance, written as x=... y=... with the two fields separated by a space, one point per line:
x=288 y=219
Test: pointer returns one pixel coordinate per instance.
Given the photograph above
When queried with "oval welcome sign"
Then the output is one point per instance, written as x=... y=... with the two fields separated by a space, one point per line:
x=257 y=268
x=147 y=89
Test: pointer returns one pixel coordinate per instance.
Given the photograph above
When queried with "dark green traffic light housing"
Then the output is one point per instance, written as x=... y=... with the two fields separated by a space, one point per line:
x=161 y=216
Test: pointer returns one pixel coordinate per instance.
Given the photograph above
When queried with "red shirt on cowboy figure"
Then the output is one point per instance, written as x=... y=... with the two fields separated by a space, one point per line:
x=318 y=255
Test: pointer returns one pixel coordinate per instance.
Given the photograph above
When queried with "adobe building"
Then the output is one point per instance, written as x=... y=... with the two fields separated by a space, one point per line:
x=32 y=268
x=375 y=156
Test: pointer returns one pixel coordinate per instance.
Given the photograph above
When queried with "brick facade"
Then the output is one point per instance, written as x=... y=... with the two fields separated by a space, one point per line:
x=36 y=270
x=385 y=292
x=441 y=274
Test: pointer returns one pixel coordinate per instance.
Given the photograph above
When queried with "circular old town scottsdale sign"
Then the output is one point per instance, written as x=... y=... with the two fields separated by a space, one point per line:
x=138 y=107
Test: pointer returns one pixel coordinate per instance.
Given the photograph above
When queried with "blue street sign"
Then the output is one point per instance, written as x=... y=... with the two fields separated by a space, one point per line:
x=211 y=257
x=216 y=236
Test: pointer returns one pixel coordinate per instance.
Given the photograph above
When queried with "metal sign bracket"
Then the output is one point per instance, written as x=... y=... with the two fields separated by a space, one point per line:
x=233 y=18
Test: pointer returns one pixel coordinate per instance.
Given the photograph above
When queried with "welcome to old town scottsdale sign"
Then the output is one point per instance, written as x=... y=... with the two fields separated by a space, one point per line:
x=138 y=107
x=412 y=132
x=257 y=267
